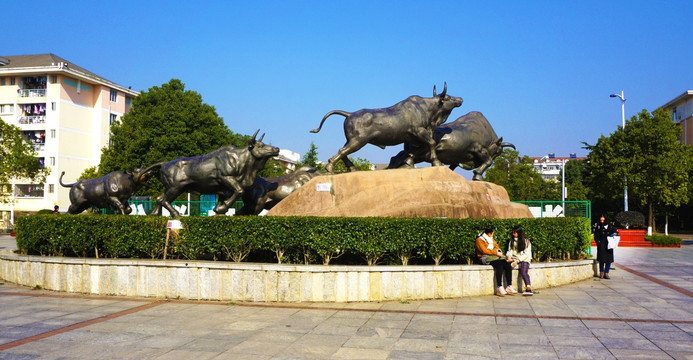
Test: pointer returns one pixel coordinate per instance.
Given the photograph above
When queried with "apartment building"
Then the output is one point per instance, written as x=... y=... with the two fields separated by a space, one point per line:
x=551 y=166
x=65 y=112
x=681 y=110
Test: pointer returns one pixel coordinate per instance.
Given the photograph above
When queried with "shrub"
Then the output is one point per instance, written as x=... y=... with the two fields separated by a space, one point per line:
x=630 y=219
x=663 y=240
x=321 y=240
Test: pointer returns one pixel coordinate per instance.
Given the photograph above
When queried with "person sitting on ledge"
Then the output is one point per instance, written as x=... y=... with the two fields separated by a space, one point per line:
x=488 y=251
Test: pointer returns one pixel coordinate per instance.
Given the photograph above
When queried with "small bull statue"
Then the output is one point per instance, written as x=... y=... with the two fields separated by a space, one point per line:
x=268 y=192
x=411 y=120
x=110 y=191
x=469 y=141
x=226 y=172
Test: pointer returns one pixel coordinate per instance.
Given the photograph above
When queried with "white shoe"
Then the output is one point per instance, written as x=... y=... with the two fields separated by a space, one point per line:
x=500 y=291
x=510 y=290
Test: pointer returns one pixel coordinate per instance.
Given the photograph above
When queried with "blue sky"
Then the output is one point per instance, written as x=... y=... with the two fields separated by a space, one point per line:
x=540 y=71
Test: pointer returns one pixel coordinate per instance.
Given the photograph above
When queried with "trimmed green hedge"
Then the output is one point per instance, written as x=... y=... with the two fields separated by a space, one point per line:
x=316 y=240
x=663 y=240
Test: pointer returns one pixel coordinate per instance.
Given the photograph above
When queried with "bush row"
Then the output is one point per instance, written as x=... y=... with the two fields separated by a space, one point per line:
x=663 y=240
x=310 y=240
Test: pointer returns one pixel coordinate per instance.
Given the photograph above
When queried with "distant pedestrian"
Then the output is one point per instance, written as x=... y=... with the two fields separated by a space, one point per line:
x=602 y=230
x=520 y=250
x=56 y=210
x=489 y=253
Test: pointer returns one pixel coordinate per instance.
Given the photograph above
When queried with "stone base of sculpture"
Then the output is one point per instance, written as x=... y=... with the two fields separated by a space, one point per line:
x=425 y=192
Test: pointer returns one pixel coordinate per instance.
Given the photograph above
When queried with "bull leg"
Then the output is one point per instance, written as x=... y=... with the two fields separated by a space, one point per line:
x=479 y=172
x=349 y=165
x=77 y=208
x=236 y=192
x=165 y=201
x=350 y=147
x=115 y=202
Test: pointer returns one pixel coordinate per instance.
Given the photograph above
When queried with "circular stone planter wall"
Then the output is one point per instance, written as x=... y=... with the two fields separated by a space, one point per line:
x=209 y=280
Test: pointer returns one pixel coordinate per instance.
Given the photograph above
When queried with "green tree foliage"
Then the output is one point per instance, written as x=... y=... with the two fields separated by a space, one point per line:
x=89 y=173
x=648 y=154
x=310 y=158
x=17 y=158
x=360 y=163
x=518 y=177
x=273 y=168
x=165 y=123
x=576 y=175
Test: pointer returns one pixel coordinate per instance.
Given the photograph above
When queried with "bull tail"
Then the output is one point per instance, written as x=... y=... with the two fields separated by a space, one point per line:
x=60 y=180
x=148 y=169
x=338 y=112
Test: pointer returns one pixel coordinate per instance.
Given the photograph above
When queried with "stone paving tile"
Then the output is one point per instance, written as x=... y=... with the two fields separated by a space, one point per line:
x=178 y=354
x=585 y=341
x=527 y=351
x=415 y=355
x=623 y=343
x=421 y=345
x=372 y=342
x=360 y=354
x=627 y=354
x=579 y=352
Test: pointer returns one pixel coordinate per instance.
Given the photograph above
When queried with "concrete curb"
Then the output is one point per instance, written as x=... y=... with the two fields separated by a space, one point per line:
x=226 y=281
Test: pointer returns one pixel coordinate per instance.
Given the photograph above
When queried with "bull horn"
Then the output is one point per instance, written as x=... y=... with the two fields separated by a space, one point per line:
x=262 y=137
x=445 y=90
x=252 y=139
x=434 y=91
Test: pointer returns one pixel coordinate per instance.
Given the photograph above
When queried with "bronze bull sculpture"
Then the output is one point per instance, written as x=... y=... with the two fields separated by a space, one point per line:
x=268 y=192
x=469 y=141
x=110 y=191
x=410 y=121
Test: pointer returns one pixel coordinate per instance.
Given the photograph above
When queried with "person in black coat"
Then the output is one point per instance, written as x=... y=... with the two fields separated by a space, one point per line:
x=601 y=230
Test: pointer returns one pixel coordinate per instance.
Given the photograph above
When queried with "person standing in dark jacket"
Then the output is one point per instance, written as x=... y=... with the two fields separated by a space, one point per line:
x=601 y=230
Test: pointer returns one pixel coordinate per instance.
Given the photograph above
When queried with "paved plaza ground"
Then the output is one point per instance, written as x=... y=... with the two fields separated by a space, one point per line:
x=644 y=312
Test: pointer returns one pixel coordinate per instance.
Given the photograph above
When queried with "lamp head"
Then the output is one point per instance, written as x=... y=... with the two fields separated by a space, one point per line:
x=613 y=95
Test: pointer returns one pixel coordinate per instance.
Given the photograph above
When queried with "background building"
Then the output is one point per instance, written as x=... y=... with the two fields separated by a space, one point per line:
x=550 y=166
x=65 y=111
x=681 y=109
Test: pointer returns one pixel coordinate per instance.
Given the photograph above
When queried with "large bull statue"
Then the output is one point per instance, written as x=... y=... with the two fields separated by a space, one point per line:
x=110 y=191
x=226 y=172
x=410 y=121
x=469 y=141
x=268 y=192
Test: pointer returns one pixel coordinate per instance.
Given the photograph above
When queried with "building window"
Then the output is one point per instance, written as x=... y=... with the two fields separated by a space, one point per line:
x=28 y=190
x=112 y=119
x=12 y=81
x=51 y=188
x=53 y=106
x=6 y=108
x=114 y=95
x=53 y=133
x=2 y=81
x=52 y=160
x=54 y=79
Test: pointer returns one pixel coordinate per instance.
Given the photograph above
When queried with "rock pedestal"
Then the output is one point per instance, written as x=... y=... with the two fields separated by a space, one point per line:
x=425 y=192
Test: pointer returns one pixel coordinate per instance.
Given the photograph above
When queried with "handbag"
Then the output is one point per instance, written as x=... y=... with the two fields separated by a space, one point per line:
x=486 y=259
x=612 y=241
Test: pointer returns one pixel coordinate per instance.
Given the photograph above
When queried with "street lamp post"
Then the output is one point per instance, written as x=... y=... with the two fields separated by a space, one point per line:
x=623 y=126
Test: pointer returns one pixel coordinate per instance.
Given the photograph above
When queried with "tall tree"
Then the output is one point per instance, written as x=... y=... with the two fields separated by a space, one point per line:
x=310 y=158
x=165 y=123
x=648 y=157
x=518 y=177
x=18 y=158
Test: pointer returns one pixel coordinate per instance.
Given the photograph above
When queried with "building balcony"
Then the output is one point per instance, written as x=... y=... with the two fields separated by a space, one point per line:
x=38 y=146
x=34 y=119
x=31 y=93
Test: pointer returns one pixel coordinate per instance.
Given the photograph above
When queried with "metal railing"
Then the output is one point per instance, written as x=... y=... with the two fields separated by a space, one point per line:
x=185 y=208
x=39 y=146
x=35 y=119
x=32 y=92
x=542 y=209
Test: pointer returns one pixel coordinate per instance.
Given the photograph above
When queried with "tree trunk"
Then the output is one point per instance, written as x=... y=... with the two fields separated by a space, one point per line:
x=651 y=218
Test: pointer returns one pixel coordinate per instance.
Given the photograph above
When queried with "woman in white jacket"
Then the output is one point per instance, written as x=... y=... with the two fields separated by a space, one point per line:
x=520 y=249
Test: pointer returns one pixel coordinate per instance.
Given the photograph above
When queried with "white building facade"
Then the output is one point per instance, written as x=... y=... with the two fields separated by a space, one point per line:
x=65 y=112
